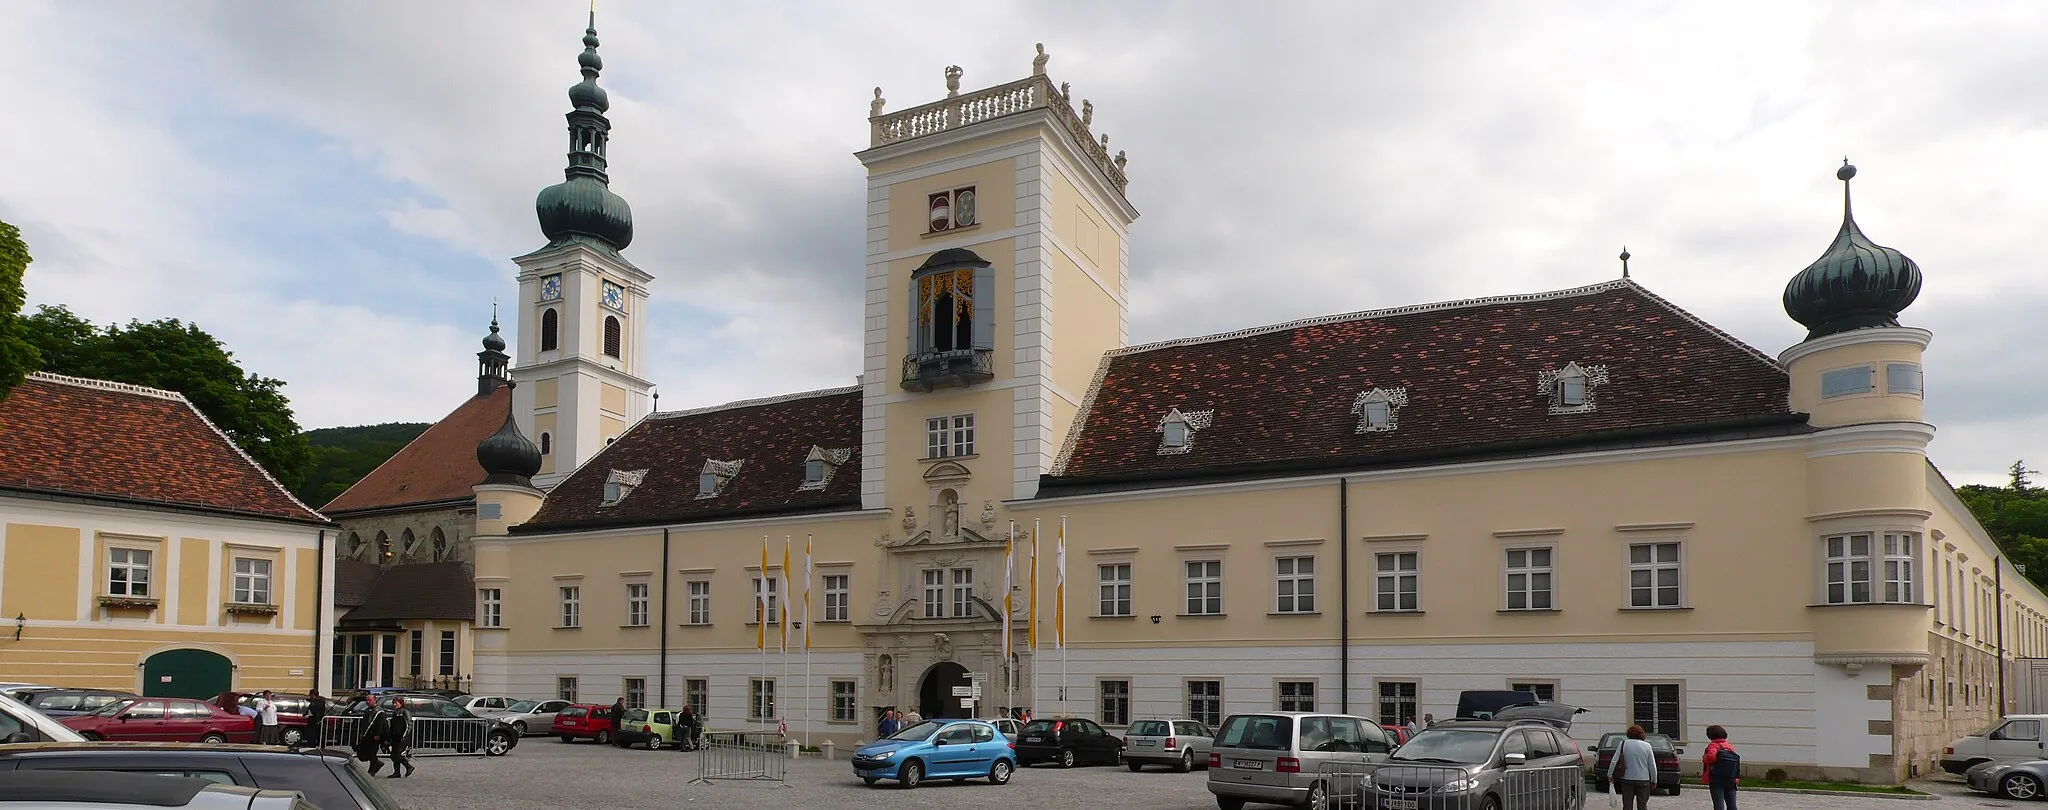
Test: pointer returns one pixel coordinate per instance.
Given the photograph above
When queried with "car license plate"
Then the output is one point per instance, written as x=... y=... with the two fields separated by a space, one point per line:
x=1034 y=739
x=1148 y=743
x=1400 y=804
x=1249 y=765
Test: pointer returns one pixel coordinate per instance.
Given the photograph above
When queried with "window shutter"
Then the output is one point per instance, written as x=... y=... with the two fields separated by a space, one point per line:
x=984 y=308
x=917 y=341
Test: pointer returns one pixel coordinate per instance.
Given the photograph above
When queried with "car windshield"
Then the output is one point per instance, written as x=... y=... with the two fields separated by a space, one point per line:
x=573 y=711
x=916 y=733
x=524 y=706
x=114 y=708
x=1660 y=743
x=1150 y=728
x=1261 y=731
x=1460 y=746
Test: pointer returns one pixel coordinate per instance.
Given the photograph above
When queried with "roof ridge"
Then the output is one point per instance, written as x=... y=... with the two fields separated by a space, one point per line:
x=388 y=460
x=1703 y=324
x=107 y=385
x=1370 y=314
x=252 y=461
x=749 y=403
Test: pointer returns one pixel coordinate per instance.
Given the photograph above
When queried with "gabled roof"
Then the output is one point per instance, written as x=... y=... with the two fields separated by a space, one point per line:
x=97 y=439
x=770 y=438
x=438 y=466
x=1469 y=376
x=437 y=590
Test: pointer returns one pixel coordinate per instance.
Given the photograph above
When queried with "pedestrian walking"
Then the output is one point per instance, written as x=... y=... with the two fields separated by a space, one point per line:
x=618 y=721
x=376 y=724
x=690 y=725
x=1633 y=771
x=316 y=719
x=913 y=718
x=888 y=727
x=1722 y=768
x=1428 y=720
x=266 y=719
x=398 y=739
x=1411 y=727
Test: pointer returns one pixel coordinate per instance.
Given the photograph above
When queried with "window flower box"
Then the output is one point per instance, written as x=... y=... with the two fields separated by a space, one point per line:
x=128 y=603
x=250 y=609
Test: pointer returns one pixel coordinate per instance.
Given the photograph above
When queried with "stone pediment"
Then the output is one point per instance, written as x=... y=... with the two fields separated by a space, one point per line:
x=947 y=471
x=928 y=538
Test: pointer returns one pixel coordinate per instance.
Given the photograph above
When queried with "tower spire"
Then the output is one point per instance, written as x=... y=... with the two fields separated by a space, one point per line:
x=582 y=206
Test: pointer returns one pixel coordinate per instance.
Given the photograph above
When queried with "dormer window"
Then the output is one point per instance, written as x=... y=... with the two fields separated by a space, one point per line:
x=821 y=464
x=613 y=493
x=814 y=472
x=620 y=483
x=716 y=476
x=952 y=209
x=1377 y=410
x=1177 y=430
x=1571 y=388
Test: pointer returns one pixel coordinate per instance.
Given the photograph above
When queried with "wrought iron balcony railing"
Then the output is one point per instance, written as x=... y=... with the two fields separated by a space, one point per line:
x=954 y=368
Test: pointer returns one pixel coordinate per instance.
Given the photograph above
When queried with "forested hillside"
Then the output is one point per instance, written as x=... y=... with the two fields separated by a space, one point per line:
x=343 y=455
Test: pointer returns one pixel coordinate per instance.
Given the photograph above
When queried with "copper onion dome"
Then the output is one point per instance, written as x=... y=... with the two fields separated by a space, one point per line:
x=583 y=205
x=1856 y=284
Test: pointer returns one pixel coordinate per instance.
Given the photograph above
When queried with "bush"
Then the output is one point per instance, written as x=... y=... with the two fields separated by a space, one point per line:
x=1775 y=775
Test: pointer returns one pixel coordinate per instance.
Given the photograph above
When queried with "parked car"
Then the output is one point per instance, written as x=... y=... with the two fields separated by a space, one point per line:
x=1396 y=732
x=2014 y=738
x=450 y=727
x=1011 y=727
x=70 y=702
x=938 y=749
x=1067 y=741
x=654 y=728
x=1481 y=704
x=2022 y=781
x=291 y=715
x=1282 y=757
x=1480 y=763
x=164 y=720
x=485 y=705
x=1667 y=753
x=20 y=723
x=138 y=791
x=327 y=778
x=584 y=721
x=531 y=717
x=1182 y=744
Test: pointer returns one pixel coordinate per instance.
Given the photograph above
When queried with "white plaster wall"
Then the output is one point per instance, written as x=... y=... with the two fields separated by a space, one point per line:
x=601 y=679
x=1842 y=715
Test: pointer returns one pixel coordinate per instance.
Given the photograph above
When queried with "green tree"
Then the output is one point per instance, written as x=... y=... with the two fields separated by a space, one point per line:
x=343 y=455
x=18 y=355
x=177 y=356
x=2016 y=516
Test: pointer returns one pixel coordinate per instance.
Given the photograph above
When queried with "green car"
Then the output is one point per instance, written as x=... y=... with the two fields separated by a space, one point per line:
x=653 y=727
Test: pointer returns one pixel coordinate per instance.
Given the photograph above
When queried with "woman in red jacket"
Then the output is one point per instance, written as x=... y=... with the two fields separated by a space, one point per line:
x=1720 y=781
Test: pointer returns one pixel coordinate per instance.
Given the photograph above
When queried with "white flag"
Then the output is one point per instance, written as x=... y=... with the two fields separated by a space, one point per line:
x=1009 y=562
x=807 y=593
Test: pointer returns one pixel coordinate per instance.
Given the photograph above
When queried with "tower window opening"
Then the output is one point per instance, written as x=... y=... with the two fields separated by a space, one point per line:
x=550 y=330
x=611 y=336
x=946 y=311
x=547 y=443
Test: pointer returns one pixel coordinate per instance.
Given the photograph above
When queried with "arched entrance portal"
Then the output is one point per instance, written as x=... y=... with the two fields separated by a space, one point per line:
x=187 y=674
x=935 y=693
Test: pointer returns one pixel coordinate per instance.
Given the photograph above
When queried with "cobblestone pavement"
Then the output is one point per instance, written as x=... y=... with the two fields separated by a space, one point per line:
x=544 y=774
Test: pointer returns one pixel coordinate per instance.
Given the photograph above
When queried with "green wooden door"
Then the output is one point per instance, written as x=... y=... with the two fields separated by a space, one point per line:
x=187 y=674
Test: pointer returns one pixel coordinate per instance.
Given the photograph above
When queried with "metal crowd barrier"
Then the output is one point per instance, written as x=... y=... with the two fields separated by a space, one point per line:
x=1448 y=787
x=756 y=756
x=430 y=736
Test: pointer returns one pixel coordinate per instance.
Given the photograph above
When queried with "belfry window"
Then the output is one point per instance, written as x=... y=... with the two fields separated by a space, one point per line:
x=952 y=322
x=612 y=336
x=945 y=310
x=550 y=330
x=547 y=443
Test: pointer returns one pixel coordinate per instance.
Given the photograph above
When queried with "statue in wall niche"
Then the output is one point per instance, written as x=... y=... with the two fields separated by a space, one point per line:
x=875 y=107
x=950 y=501
x=1038 y=62
x=988 y=515
x=885 y=673
x=1087 y=113
x=953 y=80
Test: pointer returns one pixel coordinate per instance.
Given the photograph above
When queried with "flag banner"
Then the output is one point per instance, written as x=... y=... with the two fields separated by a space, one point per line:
x=1031 y=624
x=1059 y=593
x=761 y=601
x=1009 y=562
x=807 y=593
x=787 y=614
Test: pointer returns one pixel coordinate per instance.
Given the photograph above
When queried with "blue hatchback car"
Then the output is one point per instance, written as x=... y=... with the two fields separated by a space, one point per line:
x=938 y=749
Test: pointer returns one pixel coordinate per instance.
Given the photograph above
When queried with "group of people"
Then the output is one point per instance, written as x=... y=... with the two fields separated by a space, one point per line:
x=688 y=727
x=262 y=708
x=387 y=729
x=894 y=721
x=1633 y=772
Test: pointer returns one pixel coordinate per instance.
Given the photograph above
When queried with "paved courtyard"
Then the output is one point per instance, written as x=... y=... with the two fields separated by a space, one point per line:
x=542 y=774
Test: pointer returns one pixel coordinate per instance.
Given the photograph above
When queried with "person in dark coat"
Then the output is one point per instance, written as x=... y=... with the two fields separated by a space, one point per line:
x=690 y=726
x=398 y=738
x=316 y=719
x=376 y=726
x=618 y=720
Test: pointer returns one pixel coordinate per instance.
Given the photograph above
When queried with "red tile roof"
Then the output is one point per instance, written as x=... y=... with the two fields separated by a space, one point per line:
x=97 y=439
x=438 y=466
x=1282 y=396
x=770 y=437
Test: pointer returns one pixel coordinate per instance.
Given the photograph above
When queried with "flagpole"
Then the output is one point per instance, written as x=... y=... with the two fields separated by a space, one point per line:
x=761 y=622
x=1009 y=670
x=1061 y=608
x=1033 y=627
x=782 y=707
x=807 y=638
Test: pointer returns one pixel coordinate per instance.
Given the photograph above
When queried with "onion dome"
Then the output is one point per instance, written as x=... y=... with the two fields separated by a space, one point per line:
x=1856 y=284
x=583 y=205
x=507 y=456
x=494 y=342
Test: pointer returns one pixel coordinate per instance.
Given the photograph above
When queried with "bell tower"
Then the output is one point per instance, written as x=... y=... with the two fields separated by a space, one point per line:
x=582 y=304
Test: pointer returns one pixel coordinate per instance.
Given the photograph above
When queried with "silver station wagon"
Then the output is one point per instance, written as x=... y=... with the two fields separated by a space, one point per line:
x=1183 y=744
x=1292 y=758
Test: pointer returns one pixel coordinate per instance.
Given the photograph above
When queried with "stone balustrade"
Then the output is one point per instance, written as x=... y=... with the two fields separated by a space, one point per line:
x=1024 y=95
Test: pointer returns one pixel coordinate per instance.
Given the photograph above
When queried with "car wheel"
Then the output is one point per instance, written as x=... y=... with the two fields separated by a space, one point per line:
x=293 y=737
x=519 y=726
x=1318 y=798
x=1066 y=758
x=2021 y=786
x=1229 y=803
x=214 y=737
x=567 y=738
x=654 y=743
x=868 y=780
x=1187 y=762
x=604 y=738
x=1135 y=766
x=999 y=773
x=1491 y=803
x=912 y=775
x=498 y=745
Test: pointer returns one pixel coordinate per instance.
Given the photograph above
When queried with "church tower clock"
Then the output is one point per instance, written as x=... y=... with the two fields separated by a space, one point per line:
x=582 y=304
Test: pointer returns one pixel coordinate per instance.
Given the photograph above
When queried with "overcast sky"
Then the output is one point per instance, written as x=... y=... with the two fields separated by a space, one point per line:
x=335 y=189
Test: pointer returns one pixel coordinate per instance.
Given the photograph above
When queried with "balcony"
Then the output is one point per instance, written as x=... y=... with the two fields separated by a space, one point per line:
x=954 y=368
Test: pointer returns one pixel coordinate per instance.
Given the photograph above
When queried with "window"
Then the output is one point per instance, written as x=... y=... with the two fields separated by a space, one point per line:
x=1375 y=415
x=611 y=336
x=1205 y=587
x=1177 y=429
x=952 y=209
x=1396 y=584
x=1653 y=576
x=963 y=593
x=1848 y=569
x=547 y=443
x=1376 y=409
x=550 y=330
x=707 y=484
x=636 y=604
x=1655 y=707
x=1205 y=702
x=128 y=572
x=765 y=592
x=1570 y=389
x=565 y=688
x=1900 y=550
x=845 y=701
x=1844 y=382
x=949 y=436
x=572 y=605
x=700 y=602
x=418 y=655
x=1297 y=696
x=760 y=699
x=2023 y=730
x=935 y=593
x=837 y=602
x=615 y=492
x=490 y=607
x=697 y=693
x=447 y=652
x=946 y=308
x=814 y=471
x=1294 y=585
x=1902 y=378
x=1528 y=584
x=1397 y=701
x=716 y=475
x=1176 y=434
x=1116 y=703
x=636 y=693
x=1116 y=589
x=252 y=581
x=1545 y=691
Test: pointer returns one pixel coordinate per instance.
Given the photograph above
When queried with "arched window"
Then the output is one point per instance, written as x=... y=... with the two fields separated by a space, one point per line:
x=355 y=546
x=383 y=548
x=611 y=336
x=550 y=330
x=408 y=544
x=547 y=443
x=440 y=545
x=946 y=310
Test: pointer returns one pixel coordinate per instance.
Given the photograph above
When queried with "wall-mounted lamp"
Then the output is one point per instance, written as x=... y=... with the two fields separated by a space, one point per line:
x=1155 y=619
x=20 y=622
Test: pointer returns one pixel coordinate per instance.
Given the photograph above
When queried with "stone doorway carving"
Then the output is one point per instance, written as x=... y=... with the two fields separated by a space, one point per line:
x=935 y=691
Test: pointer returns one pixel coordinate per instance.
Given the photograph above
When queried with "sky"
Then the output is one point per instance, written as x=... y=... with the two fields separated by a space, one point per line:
x=335 y=189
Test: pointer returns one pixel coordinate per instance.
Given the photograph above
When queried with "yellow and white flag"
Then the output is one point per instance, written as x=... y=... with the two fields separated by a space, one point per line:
x=807 y=593
x=787 y=614
x=1009 y=562
x=1031 y=625
x=1059 y=592
x=761 y=600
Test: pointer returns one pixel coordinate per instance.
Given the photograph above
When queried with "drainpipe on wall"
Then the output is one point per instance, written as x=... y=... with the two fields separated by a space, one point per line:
x=1998 y=588
x=319 y=606
x=1344 y=593
x=663 y=665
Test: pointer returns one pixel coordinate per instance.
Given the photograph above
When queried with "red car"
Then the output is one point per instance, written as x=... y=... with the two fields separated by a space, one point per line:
x=1397 y=731
x=164 y=720
x=584 y=721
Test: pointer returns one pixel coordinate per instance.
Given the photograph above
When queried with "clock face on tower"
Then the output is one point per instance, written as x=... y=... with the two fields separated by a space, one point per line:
x=612 y=295
x=551 y=287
